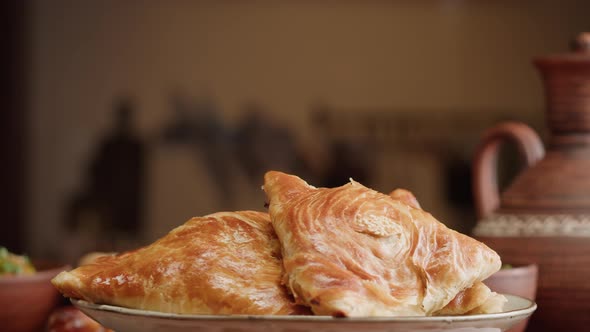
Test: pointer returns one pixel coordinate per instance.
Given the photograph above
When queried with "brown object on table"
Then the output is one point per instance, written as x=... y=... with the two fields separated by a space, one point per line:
x=544 y=215
x=70 y=319
x=27 y=301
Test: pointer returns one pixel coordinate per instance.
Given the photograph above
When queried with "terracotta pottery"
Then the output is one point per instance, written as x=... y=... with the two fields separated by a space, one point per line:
x=544 y=215
x=27 y=301
x=517 y=280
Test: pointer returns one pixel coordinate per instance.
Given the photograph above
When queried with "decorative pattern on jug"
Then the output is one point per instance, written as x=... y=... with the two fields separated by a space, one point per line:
x=529 y=225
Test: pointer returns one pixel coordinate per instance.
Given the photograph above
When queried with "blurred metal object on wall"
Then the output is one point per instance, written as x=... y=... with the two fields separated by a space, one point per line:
x=108 y=208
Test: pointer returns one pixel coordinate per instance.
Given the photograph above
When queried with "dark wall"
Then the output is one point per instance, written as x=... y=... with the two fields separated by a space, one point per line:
x=13 y=114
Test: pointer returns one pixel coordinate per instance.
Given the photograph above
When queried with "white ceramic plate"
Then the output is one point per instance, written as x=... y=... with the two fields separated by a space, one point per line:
x=132 y=320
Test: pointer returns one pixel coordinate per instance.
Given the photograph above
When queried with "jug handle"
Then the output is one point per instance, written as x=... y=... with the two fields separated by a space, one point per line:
x=485 y=167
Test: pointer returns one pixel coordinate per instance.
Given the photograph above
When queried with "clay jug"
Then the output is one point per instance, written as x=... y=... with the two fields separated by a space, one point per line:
x=543 y=216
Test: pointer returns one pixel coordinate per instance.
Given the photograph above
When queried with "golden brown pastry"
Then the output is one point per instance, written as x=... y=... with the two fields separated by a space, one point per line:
x=351 y=251
x=405 y=196
x=91 y=257
x=475 y=299
x=223 y=263
x=494 y=303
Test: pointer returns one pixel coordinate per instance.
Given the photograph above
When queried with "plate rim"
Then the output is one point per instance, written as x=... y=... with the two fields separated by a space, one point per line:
x=528 y=310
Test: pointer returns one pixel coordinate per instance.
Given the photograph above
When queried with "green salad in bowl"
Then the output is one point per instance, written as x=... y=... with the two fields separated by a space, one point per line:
x=12 y=264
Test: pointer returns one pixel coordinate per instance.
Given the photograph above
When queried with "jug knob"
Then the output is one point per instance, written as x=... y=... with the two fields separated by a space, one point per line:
x=582 y=43
x=485 y=184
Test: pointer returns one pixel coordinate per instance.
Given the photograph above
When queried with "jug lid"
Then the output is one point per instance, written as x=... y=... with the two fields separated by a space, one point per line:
x=566 y=78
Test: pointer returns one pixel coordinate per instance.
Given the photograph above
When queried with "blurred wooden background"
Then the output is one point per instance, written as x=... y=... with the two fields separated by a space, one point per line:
x=415 y=81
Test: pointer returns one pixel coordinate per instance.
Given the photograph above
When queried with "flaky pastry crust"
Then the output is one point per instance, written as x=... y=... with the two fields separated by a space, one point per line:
x=223 y=263
x=475 y=299
x=351 y=251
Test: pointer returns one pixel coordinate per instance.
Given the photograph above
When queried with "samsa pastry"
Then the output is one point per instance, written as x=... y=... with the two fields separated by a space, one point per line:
x=223 y=263
x=351 y=251
x=477 y=299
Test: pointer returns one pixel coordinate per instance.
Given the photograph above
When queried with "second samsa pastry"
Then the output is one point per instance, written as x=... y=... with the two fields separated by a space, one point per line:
x=351 y=251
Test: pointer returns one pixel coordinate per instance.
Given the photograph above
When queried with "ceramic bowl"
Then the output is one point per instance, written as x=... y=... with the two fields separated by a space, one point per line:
x=27 y=301
x=518 y=280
